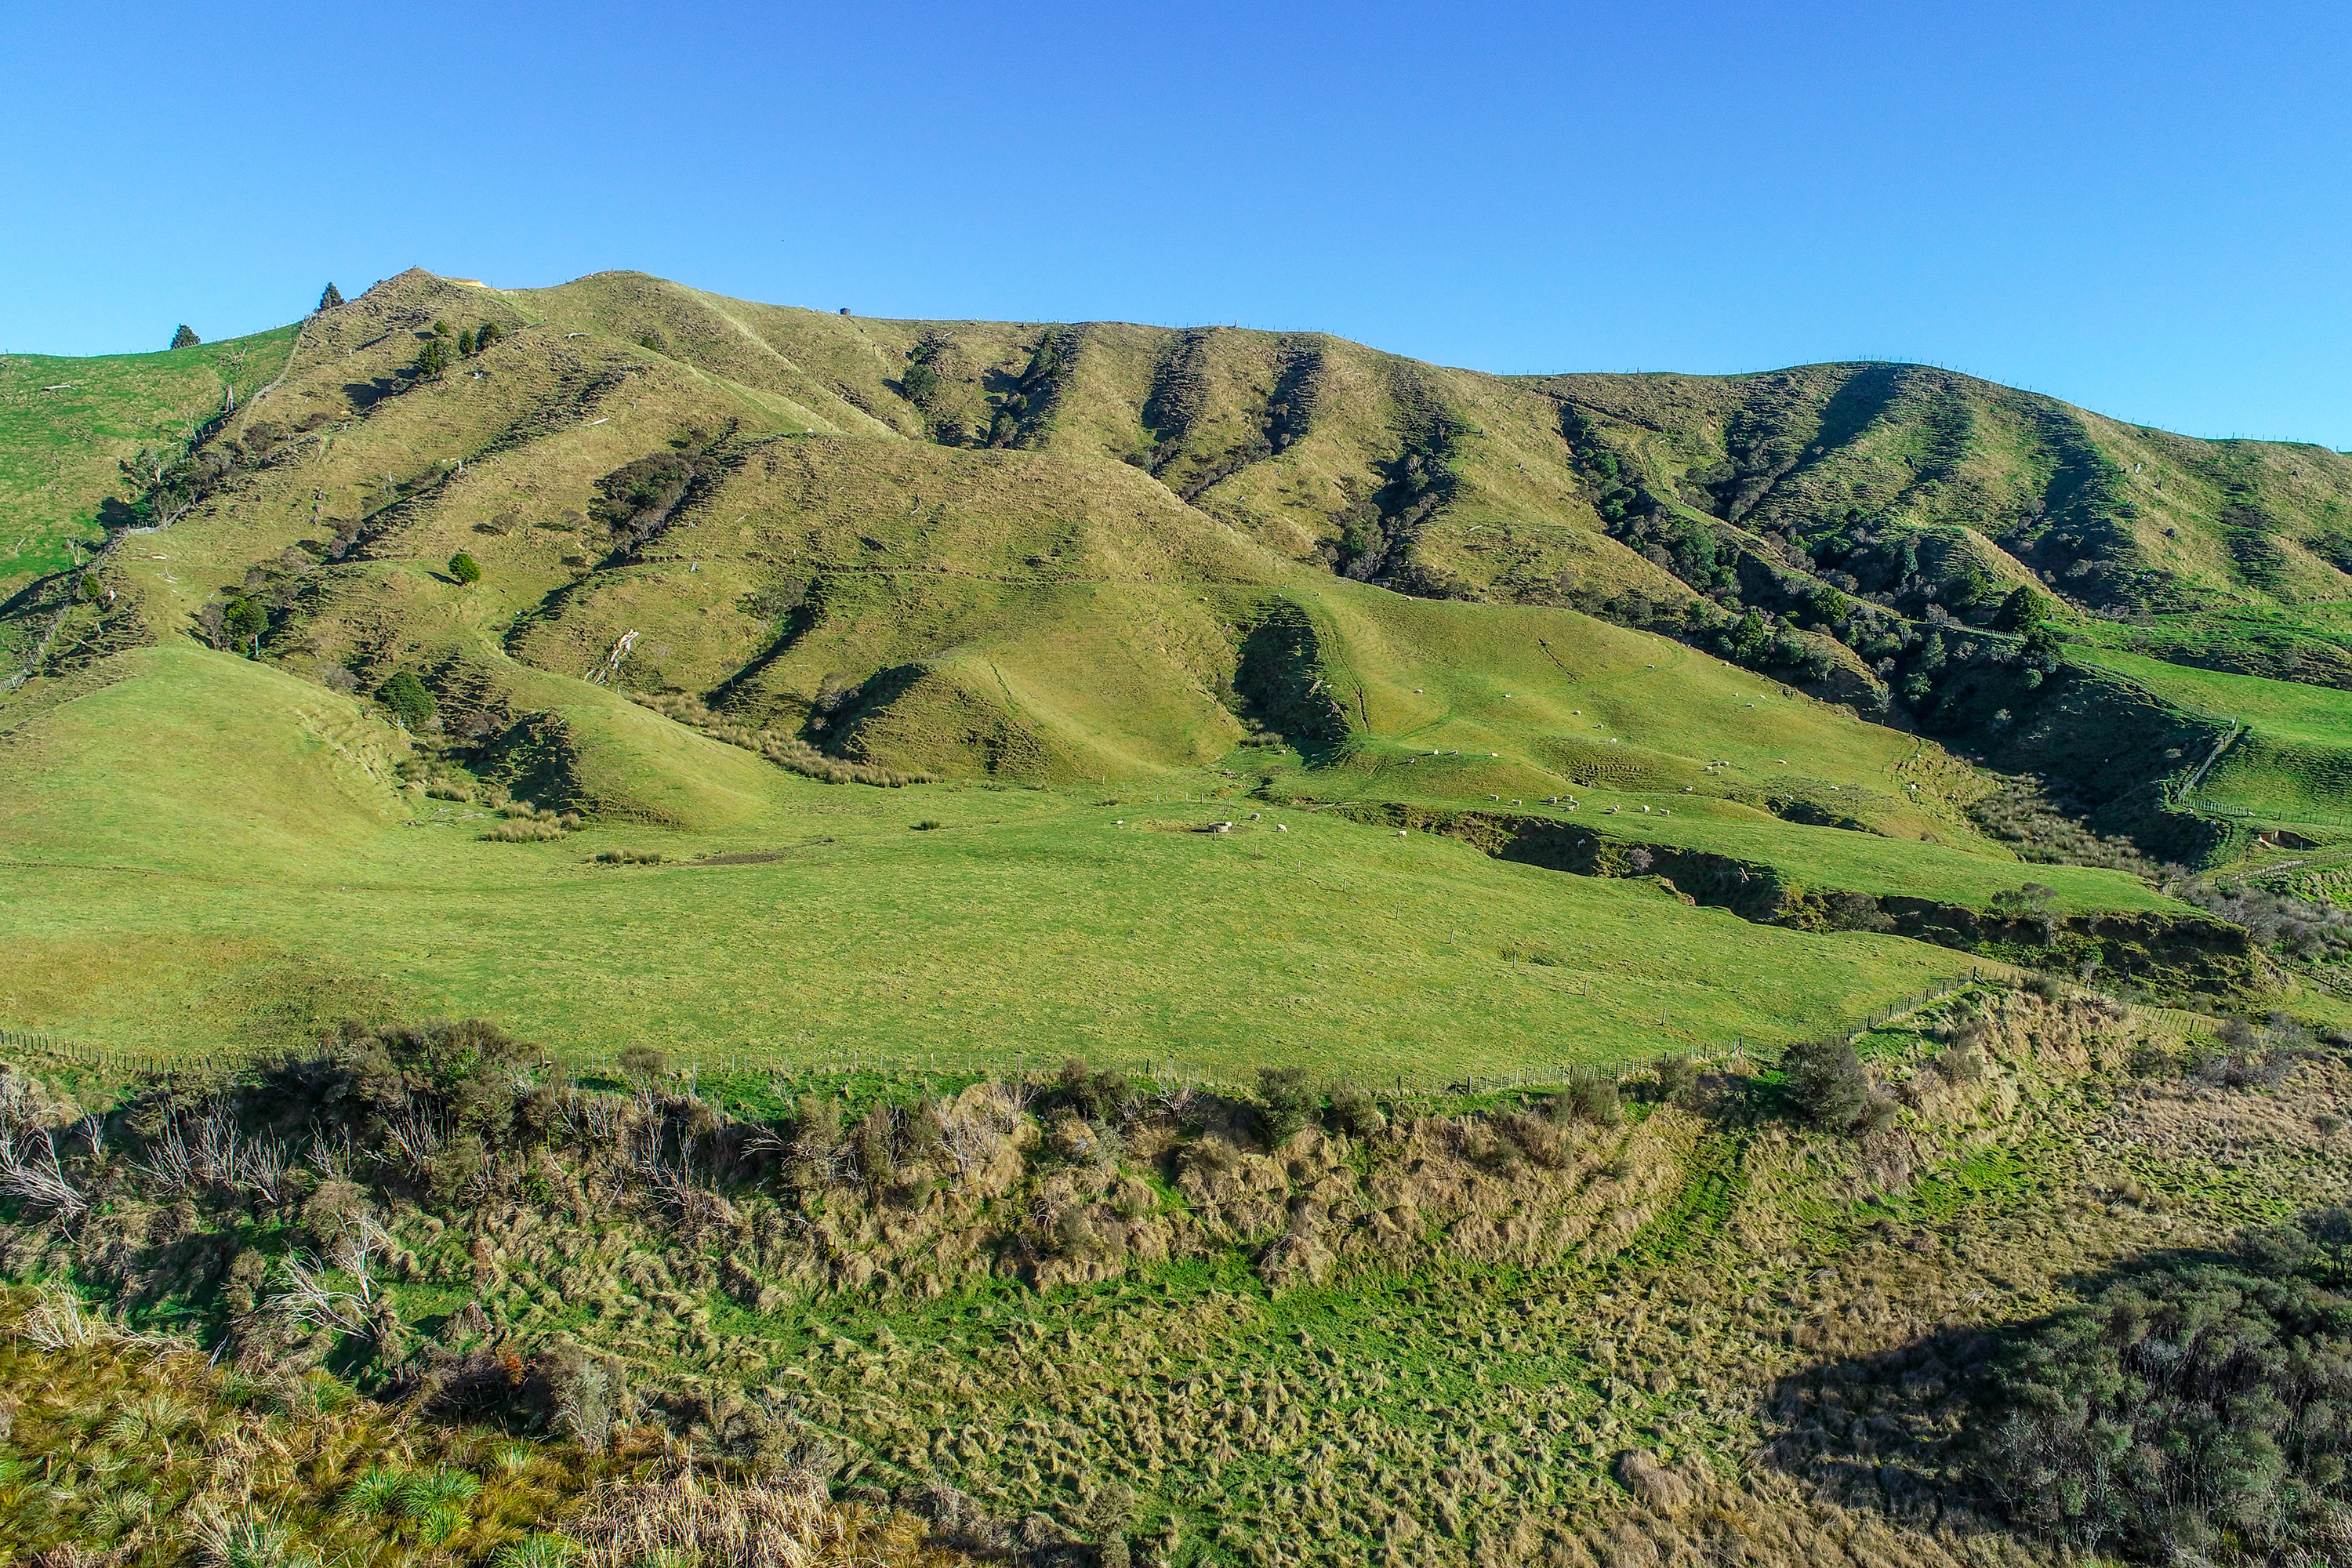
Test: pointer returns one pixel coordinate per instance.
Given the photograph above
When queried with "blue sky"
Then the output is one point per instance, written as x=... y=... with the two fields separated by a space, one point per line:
x=2142 y=209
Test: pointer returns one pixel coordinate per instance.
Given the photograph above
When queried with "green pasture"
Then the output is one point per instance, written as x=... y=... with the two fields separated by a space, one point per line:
x=1817 y=857
x=210 y=852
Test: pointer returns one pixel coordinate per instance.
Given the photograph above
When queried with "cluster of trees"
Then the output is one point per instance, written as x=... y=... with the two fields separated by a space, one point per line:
x=635 y=501
x=921 y=382
x=2201 y=1408
x=441 y=350
x=1860 y=580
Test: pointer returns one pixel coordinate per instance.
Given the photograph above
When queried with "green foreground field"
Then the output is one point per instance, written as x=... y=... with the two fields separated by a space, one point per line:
x=209 y=853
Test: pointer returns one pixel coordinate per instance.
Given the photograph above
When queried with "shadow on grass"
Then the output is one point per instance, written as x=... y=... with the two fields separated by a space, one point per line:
x=1905 y=1432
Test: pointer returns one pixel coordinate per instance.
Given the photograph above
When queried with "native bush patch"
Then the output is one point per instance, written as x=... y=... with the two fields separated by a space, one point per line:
x=2200 y=1406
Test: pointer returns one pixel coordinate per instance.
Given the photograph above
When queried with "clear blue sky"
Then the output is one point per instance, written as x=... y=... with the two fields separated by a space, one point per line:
x=2141 y=208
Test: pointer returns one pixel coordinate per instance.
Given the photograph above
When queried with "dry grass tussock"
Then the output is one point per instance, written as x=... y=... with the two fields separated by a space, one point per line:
x=1546 y=1332
x=783 y=1522
x=787 y=751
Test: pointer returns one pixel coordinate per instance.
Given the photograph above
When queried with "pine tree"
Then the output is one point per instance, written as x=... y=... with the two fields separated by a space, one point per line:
x=331 y=298
x=184 y=339
x=488 y=335
x=434 y=360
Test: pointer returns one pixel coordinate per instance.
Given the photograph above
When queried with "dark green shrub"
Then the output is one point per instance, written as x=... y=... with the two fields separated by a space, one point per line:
x=465 y=568
x=245 y=620
x=921 y=383
x=1290 y=1101
x=1677 y=1078
x=2201 y=1409
x=330 y=298
x=432 y=359
x=406 y=699
x=817 y=1137
x=184 y=339
x=1592 y=1100
x=246 y=1272
x=873 y=1141
x=1107 y=1514
x=2032 y=903
x=1097 y=1096
x=2021 y=612
x=466 y=343
x=2276 y=1251
x=633 y=501
x=1353 y=1110
x=925 y=1131
x=459 y=1162
x=488 y=335
x=1829 y=1087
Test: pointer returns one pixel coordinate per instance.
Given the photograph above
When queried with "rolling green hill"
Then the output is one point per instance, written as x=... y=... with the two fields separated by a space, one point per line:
x=261 y=869
x=1144 y=574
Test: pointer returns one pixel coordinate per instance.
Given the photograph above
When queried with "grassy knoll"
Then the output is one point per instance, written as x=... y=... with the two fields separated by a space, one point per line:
x=249 y=856
x=65 y=424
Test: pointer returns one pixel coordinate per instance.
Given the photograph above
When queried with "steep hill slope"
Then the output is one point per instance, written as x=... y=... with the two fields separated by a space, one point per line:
x=1850 y=530
x=1915 y=483
x=1105 y=551
x=68 y=428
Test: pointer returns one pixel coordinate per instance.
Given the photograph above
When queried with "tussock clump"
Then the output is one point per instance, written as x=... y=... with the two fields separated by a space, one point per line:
x=1592 y=1100
x=530 y=831
x=778 y=1523
x=1653 y=1483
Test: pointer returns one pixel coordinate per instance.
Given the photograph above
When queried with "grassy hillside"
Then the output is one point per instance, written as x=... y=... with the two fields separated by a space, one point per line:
x=66 y=425
x=1708 y=1317
x=1910 y=481
x=806 y=734
x=750 y=519
x=2293 y=763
